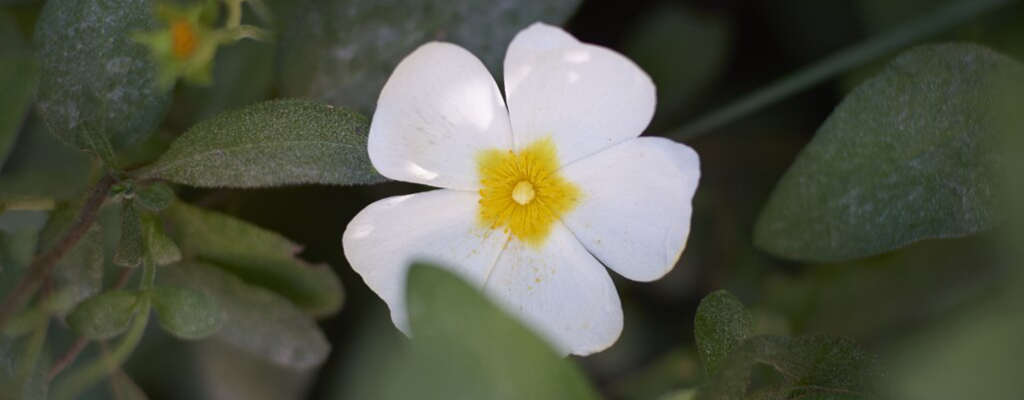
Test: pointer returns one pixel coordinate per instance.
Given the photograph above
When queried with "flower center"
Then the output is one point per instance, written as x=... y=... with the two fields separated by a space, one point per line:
x=522 y=192
x=184 y=39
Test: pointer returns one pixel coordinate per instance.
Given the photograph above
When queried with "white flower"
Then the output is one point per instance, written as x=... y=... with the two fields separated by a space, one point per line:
x=535 y=197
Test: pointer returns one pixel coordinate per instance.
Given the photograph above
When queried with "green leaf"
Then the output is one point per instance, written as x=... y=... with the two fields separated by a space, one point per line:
x=906 y=156
x=186 y=313
x=257 y=256
x=255 y=319
x=105 y=315
x=721 y=325
x=18 y=77
x=158 y=245
x=274 y=143
x=98 y=89
x=465 y=347
x=155 y=197
x=130 y=247
x=342 y=51
x=816 y=366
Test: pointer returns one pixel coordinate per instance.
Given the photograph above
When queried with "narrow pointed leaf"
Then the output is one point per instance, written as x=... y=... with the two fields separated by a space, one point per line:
x=130 y=247
x=274 y=143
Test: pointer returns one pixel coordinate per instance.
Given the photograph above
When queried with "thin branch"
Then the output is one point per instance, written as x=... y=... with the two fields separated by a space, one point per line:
x=43 y=265
x=68 y=357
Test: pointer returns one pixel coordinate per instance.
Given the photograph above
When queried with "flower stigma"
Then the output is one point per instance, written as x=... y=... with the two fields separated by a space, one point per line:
x=523 y=192
x=184 y=39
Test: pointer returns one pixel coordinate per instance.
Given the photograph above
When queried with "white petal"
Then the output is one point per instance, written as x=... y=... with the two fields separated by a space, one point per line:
x=438 y=227
x=560 y=290
x=586 y=97
x=438 y=110
x=636 y=206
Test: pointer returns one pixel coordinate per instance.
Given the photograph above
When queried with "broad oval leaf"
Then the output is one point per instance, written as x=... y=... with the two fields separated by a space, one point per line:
x=907 y=156
x=105 y=315
x=186 y=313
x=466 y=347
x=97 y=89
x=257 y=256
x=721 y=325
x=274 y=143
x=255 y=319
x=342 y=51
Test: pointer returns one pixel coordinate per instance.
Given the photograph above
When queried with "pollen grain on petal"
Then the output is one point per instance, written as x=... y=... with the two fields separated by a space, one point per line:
x=522 y=192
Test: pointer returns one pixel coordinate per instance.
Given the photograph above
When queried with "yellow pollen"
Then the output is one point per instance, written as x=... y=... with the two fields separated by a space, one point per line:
x=523 y=192
x=184 y=39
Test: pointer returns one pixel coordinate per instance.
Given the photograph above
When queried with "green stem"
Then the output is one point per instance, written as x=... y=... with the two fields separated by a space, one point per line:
x=941 y=19
x=90 y=374
x=234 y=13
x=148 y=272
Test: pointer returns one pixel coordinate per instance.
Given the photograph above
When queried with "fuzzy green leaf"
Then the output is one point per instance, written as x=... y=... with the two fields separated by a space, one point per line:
x=721 y=325
x=816 y=366
x=105 y=315
x=255 y=319
x=155 y=197
x=97 y=90
x=131 y=246
x=274 y=143
x=907 y=156
x=158 y=245
x=465 y=347
x=342 y=51
x=257 y=256
x=18 y=77
x=186 y=313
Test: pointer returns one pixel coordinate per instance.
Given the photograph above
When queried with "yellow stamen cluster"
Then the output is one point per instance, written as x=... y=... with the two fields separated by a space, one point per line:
x=523 y=192
x=184 y=39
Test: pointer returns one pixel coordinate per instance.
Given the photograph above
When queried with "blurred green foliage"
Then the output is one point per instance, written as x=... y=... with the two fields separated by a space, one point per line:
x=884 y=206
